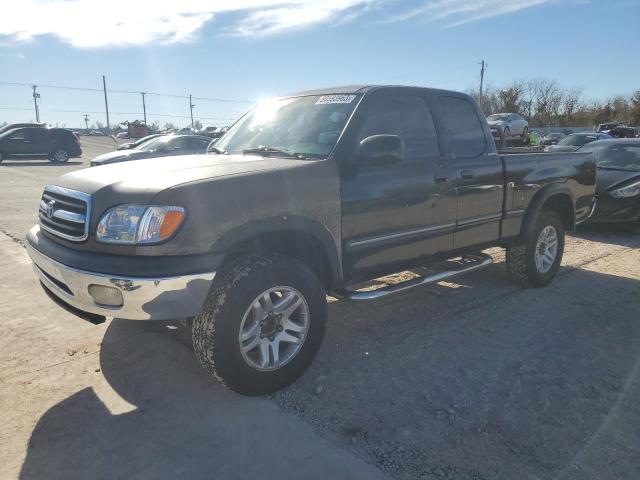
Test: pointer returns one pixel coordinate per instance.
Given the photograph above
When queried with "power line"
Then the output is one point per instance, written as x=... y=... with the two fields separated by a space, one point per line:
x=65 y=87
x=55 y=110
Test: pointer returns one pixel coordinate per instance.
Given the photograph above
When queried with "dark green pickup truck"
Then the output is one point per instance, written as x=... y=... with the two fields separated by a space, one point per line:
x=304 y=196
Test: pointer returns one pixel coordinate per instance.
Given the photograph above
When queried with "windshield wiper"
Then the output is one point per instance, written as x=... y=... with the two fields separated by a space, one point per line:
x=262 y=149
x=217 y=150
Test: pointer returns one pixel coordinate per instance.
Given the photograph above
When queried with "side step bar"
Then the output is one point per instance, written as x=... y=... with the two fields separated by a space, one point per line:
x=466 y=264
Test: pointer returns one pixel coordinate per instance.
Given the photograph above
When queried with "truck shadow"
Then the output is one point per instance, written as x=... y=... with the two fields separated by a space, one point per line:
x=180 y=423
x=627 y=235
x=461 y=378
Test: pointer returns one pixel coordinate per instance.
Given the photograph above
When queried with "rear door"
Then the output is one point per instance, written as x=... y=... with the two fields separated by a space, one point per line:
x=42 y=141
x=479 y=177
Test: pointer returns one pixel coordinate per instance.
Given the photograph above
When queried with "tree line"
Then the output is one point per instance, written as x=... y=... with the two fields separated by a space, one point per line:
x=544 y=102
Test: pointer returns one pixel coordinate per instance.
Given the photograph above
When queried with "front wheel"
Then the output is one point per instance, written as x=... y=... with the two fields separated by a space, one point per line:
x=535 y=260
x=59 y=155
x=262 y=324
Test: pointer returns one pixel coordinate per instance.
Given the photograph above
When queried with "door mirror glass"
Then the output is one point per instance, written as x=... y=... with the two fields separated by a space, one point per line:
x=379 y=150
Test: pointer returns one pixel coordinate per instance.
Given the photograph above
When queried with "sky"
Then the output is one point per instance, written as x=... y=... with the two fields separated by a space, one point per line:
x=244 y=51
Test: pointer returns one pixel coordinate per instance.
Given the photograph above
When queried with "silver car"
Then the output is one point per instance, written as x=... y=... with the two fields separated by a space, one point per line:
x=512 y=124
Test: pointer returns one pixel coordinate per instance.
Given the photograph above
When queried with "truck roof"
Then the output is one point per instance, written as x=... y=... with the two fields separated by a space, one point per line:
x=335 y=90
x=352 y=89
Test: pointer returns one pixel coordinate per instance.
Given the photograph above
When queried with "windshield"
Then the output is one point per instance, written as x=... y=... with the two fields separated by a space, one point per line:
x=307 y=126
x=577 y=140
x=616 y=157
x=498 y=116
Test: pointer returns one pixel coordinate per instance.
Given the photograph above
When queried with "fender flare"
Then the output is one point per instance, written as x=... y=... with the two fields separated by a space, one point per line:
x=537 y=202
x=292 y=223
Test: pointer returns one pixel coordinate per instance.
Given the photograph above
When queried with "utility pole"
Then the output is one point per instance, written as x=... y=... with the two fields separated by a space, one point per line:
x=482 y=69
x=106 y=102
x=86 y=121
x=144 y=108
x=36 y=96
x=191 y=105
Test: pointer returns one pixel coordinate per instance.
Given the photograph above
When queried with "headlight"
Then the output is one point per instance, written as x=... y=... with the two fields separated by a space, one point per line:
x=626 y=192
x=139 y=224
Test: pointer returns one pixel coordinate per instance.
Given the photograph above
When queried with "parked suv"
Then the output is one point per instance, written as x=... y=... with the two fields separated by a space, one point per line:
x=58 y=144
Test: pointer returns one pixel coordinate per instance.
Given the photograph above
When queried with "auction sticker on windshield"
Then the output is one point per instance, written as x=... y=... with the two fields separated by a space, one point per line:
x=326 y=99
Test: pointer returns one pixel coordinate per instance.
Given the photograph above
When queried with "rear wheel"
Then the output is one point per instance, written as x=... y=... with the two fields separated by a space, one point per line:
x=535 y=260
x=262 y=324
x=506 y=132
x=525 y=135
x=59 y=155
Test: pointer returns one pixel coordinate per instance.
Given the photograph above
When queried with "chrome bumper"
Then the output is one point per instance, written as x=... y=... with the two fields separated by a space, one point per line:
x=142 y=298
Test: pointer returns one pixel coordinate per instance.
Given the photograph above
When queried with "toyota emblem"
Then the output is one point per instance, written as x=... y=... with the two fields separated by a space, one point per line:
x=51 y=206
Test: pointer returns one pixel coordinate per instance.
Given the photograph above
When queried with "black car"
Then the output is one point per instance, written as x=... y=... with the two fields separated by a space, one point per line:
x=58 y=144
x=163 y=146
x=618 y=179
x=574 y=141
x=137 y=143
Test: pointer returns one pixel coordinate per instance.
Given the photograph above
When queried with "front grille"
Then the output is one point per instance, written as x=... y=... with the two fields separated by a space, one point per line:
x=65 y=213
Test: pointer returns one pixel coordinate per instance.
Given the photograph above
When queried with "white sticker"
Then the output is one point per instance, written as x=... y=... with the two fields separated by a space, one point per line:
x=326 y=99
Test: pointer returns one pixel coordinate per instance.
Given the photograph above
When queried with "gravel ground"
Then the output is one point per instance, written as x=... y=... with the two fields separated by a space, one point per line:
x=472 y=379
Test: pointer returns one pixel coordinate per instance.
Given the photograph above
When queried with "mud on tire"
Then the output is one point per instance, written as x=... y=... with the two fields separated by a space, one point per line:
x=520 y=258
x=216 y=330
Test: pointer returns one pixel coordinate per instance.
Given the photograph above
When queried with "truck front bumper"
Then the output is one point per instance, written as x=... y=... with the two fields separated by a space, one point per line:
x=131 y=298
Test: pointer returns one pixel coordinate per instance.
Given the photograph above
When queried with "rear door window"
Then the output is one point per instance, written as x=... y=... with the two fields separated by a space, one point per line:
x=409 y=117
x=198 y=143
x=461 y=122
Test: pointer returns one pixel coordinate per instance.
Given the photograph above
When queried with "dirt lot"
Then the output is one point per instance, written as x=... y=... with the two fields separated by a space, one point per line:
x=476 y=379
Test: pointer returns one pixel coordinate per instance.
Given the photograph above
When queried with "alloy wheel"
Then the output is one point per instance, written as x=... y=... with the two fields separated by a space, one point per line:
x=274 y=328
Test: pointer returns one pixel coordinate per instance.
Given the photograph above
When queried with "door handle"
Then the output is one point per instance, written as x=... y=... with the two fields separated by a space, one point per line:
x=440 y=178
x=466 y=174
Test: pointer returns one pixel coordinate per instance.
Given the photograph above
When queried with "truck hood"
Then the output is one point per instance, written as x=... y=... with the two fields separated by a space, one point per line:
x=152 y=175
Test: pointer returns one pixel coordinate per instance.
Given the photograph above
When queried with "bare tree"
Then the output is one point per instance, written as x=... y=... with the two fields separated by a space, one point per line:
x=635 y=108
x=571 y=102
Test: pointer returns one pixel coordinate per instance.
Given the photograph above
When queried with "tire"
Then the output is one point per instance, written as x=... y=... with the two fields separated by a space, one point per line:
x=521 y=257
x=506 y=132
x=525 y=135
x=59 y=155
x=230 y=307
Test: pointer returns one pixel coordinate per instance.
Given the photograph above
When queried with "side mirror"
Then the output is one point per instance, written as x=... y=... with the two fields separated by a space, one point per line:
x=379 y=150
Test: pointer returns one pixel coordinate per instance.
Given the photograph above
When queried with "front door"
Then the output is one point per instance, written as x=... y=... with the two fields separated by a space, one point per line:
x=394 y=214
x=19 y=142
